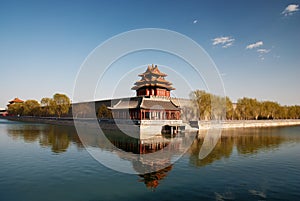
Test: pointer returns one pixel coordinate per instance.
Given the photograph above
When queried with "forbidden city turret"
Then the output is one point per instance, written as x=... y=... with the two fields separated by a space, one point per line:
x=153 y=83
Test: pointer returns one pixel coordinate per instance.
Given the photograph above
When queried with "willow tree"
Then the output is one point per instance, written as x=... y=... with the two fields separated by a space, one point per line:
x=271 y=110
x=218 y=107
x=16 y=109
x=248 y=108
x=47 y=106
x=62 y=104
x=203 y=101
x=255 y=108
x=104 y=112
x=31 y=108
x=229 y=109
x=293 y=112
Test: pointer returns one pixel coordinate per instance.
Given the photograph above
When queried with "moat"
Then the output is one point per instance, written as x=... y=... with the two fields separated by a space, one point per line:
x=246 y=164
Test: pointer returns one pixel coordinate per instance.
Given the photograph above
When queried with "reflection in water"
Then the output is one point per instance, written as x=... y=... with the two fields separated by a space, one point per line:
x=29 y=133
x=246 y=141
x=252 y=144
x=223 y=149
x=136 y=146
x=144 y=156
x=152 y=179
x=56 y=137
x=59 y=138
x=137 y=152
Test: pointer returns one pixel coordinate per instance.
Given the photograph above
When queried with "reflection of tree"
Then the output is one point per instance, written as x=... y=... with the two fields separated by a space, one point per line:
x=56 y=137
x=59 y=138
x=152 y=179
x=247 y=141
x=255 y=143
x=29 y=133
x=223 y=149
x=104 y=112
x=57 y=142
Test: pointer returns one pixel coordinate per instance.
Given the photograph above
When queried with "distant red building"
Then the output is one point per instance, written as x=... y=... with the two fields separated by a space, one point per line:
x=15 y=100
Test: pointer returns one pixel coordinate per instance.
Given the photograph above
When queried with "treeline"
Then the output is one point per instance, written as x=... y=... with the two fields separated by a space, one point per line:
x=58 y=105
x=211 y=106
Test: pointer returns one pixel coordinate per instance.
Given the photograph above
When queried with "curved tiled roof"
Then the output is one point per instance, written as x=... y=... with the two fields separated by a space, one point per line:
x=153 y=70
x=145 y=103
x=153 y=77
x=127 y=103
x=155 y=104
x=16 y=100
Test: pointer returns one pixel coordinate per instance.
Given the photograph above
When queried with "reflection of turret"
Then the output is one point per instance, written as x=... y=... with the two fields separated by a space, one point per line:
x=142 y=160
x=152 y=179
x=137 y=146
x=145 y=156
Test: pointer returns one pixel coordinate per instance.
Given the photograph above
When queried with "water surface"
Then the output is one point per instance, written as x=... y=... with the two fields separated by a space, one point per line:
x=48 y=162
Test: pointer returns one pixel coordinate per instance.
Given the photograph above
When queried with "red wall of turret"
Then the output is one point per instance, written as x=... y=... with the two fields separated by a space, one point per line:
x=153 y=92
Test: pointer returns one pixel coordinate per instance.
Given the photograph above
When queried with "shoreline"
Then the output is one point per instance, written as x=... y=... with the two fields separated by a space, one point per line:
x=200 y=125
x=43 y=120
x=229 y=124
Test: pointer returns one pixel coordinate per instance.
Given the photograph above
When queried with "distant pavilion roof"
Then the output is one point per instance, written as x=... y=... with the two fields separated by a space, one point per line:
x=16 y=100
x=154 y=78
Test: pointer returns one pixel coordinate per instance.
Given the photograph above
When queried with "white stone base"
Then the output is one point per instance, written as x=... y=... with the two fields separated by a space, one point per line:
x=142 y=129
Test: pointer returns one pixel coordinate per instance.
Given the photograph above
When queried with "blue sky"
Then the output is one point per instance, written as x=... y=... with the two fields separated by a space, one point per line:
x=254 y=44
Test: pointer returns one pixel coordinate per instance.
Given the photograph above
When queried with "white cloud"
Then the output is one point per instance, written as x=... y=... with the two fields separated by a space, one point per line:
x=227 y=45
x=226 y=41
x=195 y=21
x=254 y=45
x=263 y=51
x=290 y=9
x=222 y=40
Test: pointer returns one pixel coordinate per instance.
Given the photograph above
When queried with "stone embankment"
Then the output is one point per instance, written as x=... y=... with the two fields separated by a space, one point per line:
x=45 y=120
x=193 y=125
x=244 y=123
